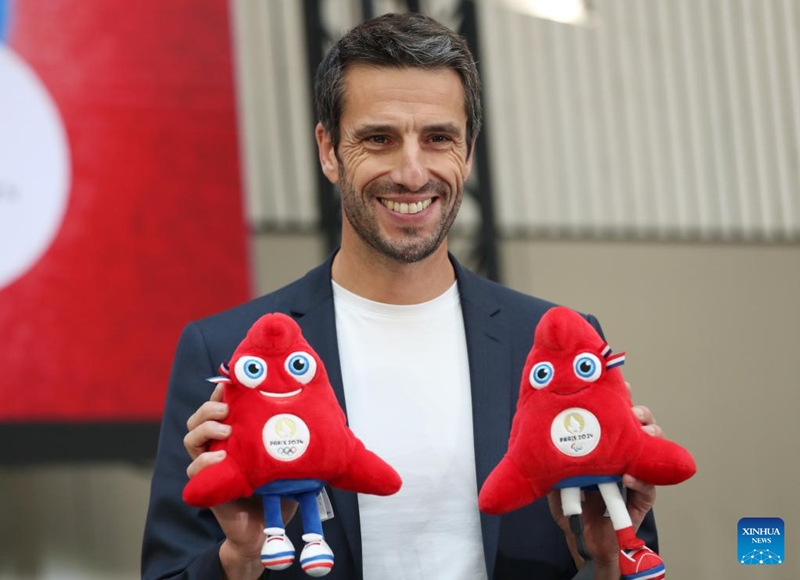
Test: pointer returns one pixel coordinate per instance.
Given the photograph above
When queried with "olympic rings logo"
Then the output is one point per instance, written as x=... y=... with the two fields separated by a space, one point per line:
x=287 y=451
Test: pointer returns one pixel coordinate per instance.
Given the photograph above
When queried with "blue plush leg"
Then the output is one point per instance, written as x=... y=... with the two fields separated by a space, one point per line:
x=272 y=511
x=309 y=513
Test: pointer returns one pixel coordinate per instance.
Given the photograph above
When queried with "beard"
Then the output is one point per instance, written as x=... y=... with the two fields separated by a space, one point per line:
x=414 y=244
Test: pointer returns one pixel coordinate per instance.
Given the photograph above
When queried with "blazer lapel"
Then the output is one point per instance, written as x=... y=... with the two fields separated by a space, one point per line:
x=314 y=312
x=489 y=351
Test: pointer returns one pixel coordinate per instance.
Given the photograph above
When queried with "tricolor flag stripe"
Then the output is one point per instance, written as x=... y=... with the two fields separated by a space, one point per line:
x=320 y=557
x=616 y=361
x=273 y=560
x=284 y=554
x=215 y=380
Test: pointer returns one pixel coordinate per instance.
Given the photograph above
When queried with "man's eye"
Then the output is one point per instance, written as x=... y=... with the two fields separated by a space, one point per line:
x=378 y=139
x=441 y=139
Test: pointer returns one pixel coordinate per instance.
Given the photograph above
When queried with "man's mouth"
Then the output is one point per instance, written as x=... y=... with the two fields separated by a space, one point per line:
x=281 y=395
x=402 y=207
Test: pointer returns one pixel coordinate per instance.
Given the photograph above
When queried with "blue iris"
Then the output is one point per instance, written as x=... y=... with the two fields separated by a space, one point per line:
x=254 y=369
x=587 y=367
x=298 y=365
x=541 y=374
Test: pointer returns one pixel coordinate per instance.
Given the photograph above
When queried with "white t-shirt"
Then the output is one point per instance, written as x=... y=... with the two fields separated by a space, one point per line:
x=406 y=380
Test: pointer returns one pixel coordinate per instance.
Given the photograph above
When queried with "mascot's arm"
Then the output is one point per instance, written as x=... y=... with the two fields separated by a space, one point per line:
x=506 y=489
x=662 y=462
x=367 y=473
x=216 y=484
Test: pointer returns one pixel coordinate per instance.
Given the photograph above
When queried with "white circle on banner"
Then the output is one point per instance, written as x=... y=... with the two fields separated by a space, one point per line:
x=34 y=168
x=286 y=437
x=575 y=432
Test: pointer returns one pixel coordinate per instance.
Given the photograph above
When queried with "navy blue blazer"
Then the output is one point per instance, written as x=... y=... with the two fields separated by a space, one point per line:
x=183 y=542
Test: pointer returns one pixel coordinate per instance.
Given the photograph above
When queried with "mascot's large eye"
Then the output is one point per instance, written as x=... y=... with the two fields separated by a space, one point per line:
x=301 y=366
x=587 y=367
x=250 y=371
x=541 y=375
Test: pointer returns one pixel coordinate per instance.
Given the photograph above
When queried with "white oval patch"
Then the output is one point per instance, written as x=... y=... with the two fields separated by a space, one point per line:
x=286 y=437
x=34 y=168
x=575 y=432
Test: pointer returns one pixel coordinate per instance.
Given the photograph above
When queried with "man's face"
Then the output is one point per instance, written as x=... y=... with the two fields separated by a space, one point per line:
x=402 y=159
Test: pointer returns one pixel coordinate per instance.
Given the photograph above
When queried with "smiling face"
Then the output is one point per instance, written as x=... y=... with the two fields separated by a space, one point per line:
x=275 y=360
x=569 y=356
x=402 y=159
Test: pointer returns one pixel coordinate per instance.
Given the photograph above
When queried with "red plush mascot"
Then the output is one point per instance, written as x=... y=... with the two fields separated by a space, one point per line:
x=289 y=438
x=574 y=429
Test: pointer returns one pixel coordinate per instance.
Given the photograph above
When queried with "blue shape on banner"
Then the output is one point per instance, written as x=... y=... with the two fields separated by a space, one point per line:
x=5 y=18
x=761 y=541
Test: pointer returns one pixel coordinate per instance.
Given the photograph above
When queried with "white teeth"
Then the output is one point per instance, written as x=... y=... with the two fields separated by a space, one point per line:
x=408 y=208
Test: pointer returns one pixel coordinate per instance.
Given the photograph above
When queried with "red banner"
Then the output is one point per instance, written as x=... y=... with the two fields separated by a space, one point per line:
x=139 y=226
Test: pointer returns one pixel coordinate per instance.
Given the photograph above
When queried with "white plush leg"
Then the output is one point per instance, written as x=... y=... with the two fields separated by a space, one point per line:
x=571 y=501
x=615 y=505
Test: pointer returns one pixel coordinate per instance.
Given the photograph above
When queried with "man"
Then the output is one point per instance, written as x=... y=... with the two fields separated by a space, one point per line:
x=424 y=355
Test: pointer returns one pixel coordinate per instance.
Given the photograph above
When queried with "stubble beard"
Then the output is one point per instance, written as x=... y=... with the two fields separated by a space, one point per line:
x=414 y=245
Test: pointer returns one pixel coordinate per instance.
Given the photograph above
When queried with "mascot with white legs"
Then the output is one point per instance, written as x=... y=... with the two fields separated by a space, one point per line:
x=574 y=430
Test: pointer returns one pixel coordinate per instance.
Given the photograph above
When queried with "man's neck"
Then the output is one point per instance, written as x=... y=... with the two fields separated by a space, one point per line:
x=378 y=278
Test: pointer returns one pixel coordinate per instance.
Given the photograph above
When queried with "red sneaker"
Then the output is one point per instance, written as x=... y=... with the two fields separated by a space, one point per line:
x=641 y=564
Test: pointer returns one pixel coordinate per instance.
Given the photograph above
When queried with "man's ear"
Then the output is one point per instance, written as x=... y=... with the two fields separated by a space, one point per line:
x=327 y=154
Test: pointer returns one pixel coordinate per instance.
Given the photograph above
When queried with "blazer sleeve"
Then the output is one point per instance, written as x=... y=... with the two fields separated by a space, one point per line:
x=180 y=541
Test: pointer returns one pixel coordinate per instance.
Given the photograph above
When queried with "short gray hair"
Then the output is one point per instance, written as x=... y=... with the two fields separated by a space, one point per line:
x=396 y=41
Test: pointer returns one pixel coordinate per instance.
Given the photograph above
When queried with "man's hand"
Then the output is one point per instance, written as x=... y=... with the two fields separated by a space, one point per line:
x=242 y=520
x=599 y=536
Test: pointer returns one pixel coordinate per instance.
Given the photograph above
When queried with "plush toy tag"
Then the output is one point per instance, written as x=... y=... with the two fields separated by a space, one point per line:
x=324 y=506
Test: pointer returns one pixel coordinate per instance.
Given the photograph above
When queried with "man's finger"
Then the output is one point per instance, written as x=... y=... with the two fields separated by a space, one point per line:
x=635 y=484
x=196 y=440
x=644 y=415
x=204 y=460
x=219 y=390
x=654 y=430
x=208 y=411
x=641 y=497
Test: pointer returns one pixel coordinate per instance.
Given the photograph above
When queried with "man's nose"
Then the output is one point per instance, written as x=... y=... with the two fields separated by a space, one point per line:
x=411 y=171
